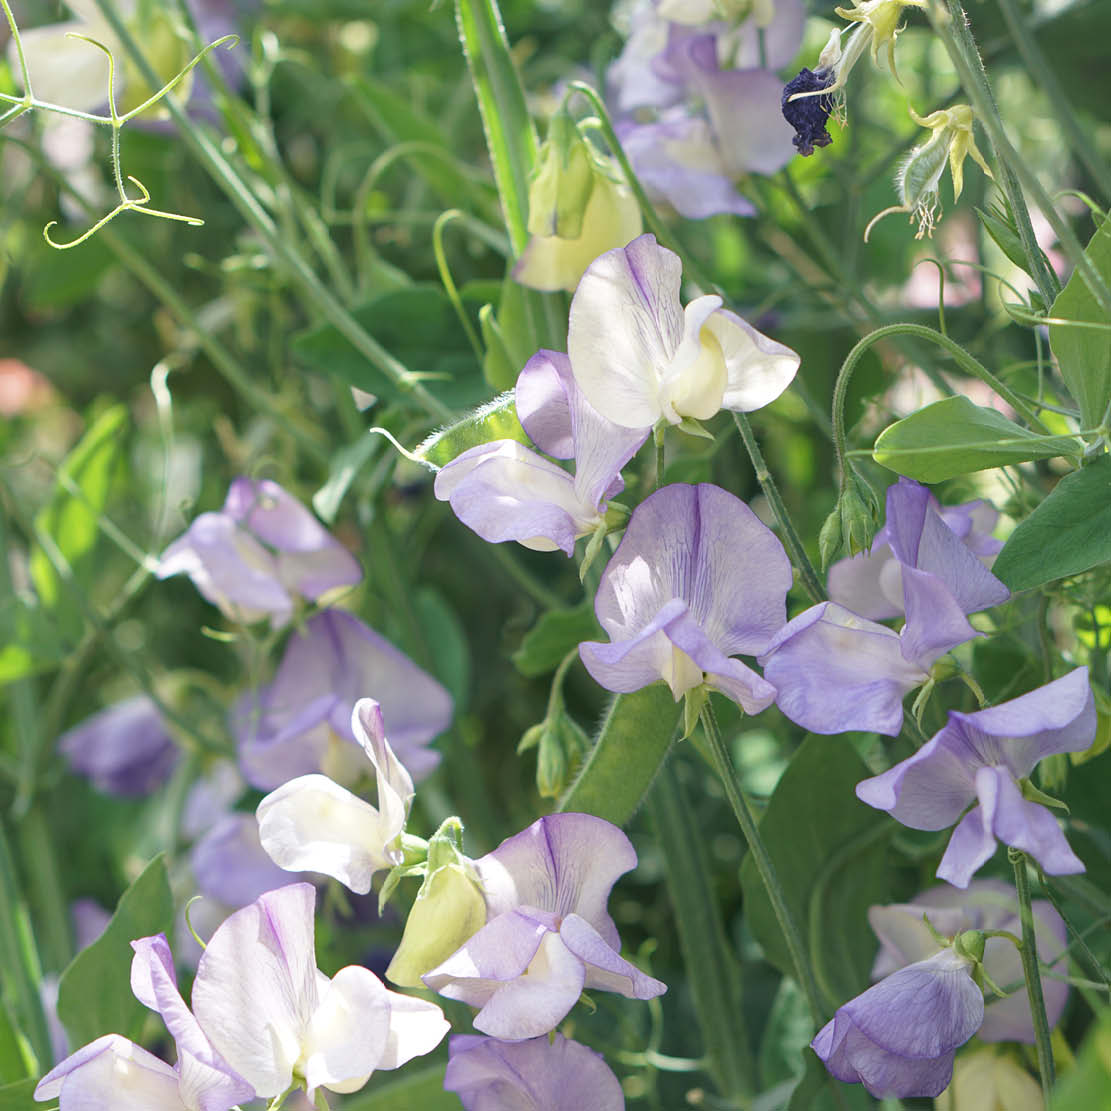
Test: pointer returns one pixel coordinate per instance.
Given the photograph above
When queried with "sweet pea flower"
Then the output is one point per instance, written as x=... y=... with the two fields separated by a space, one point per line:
x=987 y=1078
x=696 y=578
x=114 y=1074
x=253 y=557
x=312 y=823
x=504 y=491
x=124 y=749
x=301 y=721
x=981 y=757
x=541 y=1074
x=641 y=358
x=898 y=1038
x=870 y=583
x=835 y=670
x=547 y=936
x=985 y=905
x=272 y=1014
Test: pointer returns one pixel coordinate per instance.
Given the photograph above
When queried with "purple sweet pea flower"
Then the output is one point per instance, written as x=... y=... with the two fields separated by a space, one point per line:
x=504 y=491
x=835 y=670
x=540 y=1074
x=898 y=1038
x=122 y=750
x=640 y=357
x=301 y=721
x=981 y=757
x=695 y=579
x=261 y=550
x=986 y=905
x=271 y=1013
x=548 y=935
x=870 y=583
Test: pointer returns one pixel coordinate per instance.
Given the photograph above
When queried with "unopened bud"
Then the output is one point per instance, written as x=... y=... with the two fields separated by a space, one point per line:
x=970 y=945
x=563 y=181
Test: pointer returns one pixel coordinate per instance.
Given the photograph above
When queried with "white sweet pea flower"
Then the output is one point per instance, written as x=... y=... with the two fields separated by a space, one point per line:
x=313 y=824
x=641 y=358
x=277 y=1019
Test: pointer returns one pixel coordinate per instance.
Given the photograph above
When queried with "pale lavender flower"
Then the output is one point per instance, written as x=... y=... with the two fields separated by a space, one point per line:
x=548 y=936
x=986 y=905
x=898 y=1038
x=540 y=1074
x=870 y=583
x=253 y=557
x=301 y=721
x=696 y=579
x=124 y=749
x=981 y=757
x=640 y=357
x=312 y=823
x=836 y=670
x=504 y=491
x=270 y=1012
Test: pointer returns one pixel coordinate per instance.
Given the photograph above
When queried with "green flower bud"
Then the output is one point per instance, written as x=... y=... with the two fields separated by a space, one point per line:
x=449 y=909
x=970 y=946
x=852 y=524
x=562 y=182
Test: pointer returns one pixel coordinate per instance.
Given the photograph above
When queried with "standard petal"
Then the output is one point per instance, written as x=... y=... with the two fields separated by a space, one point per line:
x=563 y=864
x=256 y=986
x=834 y=671
x=935 y=622
x=313 y=824
x=626 y=322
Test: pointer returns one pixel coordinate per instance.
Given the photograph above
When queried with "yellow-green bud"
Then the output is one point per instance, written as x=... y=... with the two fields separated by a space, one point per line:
x=562 y=182
x=449 y=909
x=970 y=945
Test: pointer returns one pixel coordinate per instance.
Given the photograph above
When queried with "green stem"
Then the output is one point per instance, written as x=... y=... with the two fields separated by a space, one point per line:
x=53 y=933
x=709 y=959
x=793 y=543
x=1029 y=954
x=763 y=861
x=963 y=359
x=284 y=253
x=1015 y=172
x=1046 y=80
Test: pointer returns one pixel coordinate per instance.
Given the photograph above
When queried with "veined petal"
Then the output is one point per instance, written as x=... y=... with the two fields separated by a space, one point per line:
x=256 y=986
x=395 y=785
x=563 y=864
x=625 y=324
x=313 y=824
x=935 y=621
x=1028 y=826
x=834 y=671
x=504 y=491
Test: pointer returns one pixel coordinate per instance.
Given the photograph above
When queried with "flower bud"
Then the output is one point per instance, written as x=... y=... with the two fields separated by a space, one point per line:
x=852 y=524
x=970 y=946
x=562 y=183
x=449 y=909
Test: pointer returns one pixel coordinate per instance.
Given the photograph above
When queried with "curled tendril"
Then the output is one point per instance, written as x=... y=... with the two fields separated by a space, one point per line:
x=126 y=205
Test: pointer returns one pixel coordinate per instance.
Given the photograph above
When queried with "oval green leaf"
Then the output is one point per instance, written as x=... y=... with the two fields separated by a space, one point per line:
x=954 y=437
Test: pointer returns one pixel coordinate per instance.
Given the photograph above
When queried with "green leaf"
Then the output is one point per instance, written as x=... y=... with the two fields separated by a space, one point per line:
x=345 y=465
x=1068 y=533
x=18 y=1096
x=17 y=1057
x=71 y=520
x=555 y=634
x=418 y=326
x=29 y=640
x=94 y=994
x=819 y=1091
x=1084 y=354
x=830 y=854
x=496 y=420
x=1087 y=1085
x=953 y=437
x=632 y=744
x=447 y=641
x=419 y=1091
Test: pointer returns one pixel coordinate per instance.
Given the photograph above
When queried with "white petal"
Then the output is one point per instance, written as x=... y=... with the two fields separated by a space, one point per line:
x=759 y=368
x=416 y=1028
